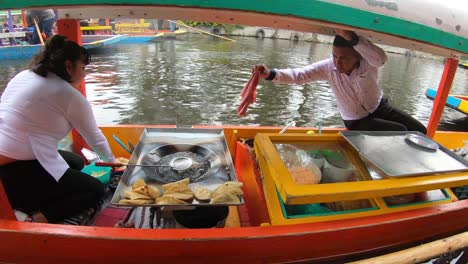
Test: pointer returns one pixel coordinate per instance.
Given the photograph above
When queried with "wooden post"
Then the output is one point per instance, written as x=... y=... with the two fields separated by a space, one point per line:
x=421 y=253
x=442 y=94
x=71 y=29
x=23 y=17
x=107 y=22
x=38 y=31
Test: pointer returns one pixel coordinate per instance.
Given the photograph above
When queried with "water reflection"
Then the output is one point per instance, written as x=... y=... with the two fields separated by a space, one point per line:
x=197 y=80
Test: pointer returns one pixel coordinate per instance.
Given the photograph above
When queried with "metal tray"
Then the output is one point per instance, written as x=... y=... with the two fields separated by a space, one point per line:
x=391 y=154
x=152 y=138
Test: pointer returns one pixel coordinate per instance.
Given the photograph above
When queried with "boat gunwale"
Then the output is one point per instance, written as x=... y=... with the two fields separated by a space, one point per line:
x=259 y=232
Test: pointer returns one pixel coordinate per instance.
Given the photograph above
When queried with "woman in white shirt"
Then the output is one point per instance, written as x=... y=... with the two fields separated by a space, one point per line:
x=38 y=108
x=352 y=72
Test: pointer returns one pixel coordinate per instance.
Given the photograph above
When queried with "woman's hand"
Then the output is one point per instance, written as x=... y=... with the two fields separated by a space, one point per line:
x=264 y=71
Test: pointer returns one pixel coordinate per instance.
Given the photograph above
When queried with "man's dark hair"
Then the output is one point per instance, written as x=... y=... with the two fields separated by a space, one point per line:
x=341 y=42
x=53 y=55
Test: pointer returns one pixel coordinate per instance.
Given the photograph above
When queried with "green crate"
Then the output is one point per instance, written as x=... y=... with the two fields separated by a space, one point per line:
x=102 y=172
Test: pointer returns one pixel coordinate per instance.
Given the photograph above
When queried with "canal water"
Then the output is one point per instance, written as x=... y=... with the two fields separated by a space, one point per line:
x=197 y=80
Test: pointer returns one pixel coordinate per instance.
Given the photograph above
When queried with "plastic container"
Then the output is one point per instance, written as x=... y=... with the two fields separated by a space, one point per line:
x=100 y=173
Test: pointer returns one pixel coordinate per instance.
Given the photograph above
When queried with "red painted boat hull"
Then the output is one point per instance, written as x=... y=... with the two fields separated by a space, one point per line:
x=31 y=242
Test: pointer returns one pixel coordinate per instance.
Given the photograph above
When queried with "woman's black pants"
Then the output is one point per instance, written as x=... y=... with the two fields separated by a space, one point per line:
x=30 y=188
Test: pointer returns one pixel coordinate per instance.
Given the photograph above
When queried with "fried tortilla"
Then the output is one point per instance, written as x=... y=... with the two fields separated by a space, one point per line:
x=182 y=192
x=139 y=183
x=135 y=202
x=141 y=190
x=202 y=194
x=183 y=182
x=153 y=191
x=136 y=196
x=168 y=200
x=225 y=198
x=231 y=187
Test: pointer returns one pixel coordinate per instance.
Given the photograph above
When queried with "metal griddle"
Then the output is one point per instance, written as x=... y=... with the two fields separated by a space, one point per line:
x=390 y=153
x=154 y=138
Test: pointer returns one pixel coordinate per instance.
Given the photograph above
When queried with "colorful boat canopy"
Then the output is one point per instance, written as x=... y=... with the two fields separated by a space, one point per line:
x=437 y=27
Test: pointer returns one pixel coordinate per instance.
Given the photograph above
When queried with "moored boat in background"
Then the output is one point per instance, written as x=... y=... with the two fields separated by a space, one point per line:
x=457 y=102
x=90 y=42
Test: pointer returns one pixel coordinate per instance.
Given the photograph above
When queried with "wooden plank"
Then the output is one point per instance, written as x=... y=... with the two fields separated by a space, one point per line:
x=442 y=93
x=421 y=253
x=13 y=35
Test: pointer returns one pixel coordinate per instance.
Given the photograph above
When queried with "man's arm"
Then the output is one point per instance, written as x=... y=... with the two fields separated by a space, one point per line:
x=313 y=72
x=374 y=55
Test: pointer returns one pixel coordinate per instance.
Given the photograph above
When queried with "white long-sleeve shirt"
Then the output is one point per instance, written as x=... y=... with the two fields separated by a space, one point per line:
x=358 y=94
x=37 y=112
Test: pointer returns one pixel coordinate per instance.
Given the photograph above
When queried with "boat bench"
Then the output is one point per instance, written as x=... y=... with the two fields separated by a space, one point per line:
x=13 y=35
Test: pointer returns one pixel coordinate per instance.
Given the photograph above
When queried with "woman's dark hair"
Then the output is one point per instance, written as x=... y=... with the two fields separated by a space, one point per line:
x=53 y=55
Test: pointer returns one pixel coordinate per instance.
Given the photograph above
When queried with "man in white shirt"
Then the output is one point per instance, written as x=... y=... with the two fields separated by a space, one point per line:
x=352 y=72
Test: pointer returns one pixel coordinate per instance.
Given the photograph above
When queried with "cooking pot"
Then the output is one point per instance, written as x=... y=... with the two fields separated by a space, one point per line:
x=202 y=217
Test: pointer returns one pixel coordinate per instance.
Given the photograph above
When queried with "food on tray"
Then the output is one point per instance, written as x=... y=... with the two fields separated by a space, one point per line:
x=225 y=198
x=202 y=193
x=179 y=191
x=227 y=193
x=140 y=192
x=183 y=182
x=232 y=187
x=168 y=200
x=132 y=195
x=306 y=175
x=138 y=183
x=153 y=191
x=186 y=196
x=135 y=202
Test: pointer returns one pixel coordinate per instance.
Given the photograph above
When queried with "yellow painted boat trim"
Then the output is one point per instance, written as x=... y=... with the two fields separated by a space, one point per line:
x=463 y=106
x=292 y=193
x=96 y=28
x=277 y=218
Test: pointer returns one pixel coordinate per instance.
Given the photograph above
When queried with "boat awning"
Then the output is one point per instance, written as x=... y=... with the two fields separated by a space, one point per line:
x=435 y=27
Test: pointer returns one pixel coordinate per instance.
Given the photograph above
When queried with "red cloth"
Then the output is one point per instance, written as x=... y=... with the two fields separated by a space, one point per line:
x=248 y=94
x=111 y=215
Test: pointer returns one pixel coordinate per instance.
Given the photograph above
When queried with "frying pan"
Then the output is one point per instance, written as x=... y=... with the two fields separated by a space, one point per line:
x=155 y=155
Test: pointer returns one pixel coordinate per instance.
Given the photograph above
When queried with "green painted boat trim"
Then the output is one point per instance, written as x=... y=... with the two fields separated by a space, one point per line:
x=311 y=9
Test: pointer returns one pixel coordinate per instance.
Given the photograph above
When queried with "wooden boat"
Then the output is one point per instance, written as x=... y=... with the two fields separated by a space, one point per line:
x=134 y=39
x=457 y=102
x=90 y=42
x=262 y=232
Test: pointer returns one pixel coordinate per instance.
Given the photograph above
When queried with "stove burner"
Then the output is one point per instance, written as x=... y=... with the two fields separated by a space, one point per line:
x=193 y=173
x=182 y=163
x=183 y=160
